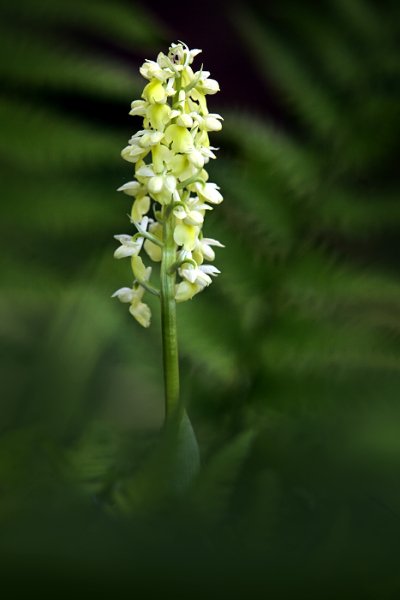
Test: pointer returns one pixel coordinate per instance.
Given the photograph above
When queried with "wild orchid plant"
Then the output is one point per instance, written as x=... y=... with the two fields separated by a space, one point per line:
x=171 y=184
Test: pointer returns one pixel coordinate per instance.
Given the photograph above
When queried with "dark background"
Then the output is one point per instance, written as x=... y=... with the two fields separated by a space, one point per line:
x=289 y=361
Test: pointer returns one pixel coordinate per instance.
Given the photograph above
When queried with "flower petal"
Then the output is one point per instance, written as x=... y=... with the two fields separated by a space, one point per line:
x=154 y=92
x=180 y=138
x=124 y=294
x=131 y=188
x=124 y=251
x=158 y=115
x=186 y=235
x=141 y=312
x=209 y=192
x=140 y=207
x=139 y=270
x=212 y=242
x=155 y=184
x=145 y=171
x=185 y=291
x=154 y=251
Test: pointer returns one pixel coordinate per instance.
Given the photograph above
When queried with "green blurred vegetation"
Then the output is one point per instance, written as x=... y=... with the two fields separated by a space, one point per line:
x=290 y=361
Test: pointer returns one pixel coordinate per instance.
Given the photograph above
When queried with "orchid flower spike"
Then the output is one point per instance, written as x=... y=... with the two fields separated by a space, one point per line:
x=170 y=182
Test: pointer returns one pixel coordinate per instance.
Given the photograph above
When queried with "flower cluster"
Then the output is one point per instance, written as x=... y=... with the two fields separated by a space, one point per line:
x=169 y=155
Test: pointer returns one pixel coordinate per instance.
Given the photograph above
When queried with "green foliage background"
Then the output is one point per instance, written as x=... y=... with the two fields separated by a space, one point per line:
x=290 y=361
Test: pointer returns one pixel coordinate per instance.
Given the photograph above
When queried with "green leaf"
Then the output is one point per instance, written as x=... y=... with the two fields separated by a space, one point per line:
x=129 y=26
x=164 y=475
x=213 y=490
x=51 y=64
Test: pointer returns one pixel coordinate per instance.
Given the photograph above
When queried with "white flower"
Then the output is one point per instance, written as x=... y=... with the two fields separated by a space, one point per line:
x=207 y=153
x=131 y=188
x=209 y=192
x=184 y=120
x=124 y=294
x=164 y=183
x=138 y=309
x=152 y=70
x=192 y=211
x=208 y=86
x=140 y=144
x=197 y=158
x=204 y=246
x=198 y=275
x=133 y=153
x=138 y=107
x=212 y=122
x=130 y=246
x=193 y=53
x=149 y=139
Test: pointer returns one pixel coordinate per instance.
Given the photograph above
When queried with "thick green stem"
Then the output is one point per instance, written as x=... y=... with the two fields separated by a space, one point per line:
x=181 y=448
x=168 y=319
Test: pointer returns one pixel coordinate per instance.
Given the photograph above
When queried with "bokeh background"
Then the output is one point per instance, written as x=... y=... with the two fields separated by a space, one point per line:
x=290 y=360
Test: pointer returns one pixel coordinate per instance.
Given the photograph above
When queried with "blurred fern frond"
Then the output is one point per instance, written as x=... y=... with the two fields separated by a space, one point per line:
x=305 y=314
x=71 y=69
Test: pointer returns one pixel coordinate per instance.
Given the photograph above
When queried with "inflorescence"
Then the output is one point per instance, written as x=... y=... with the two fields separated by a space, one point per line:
x=170 y=154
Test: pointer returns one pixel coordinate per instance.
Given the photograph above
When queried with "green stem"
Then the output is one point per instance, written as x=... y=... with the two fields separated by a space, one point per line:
x=148 y=287
x=195 y=178
x=168 y=320
x=147 y=236
x=179 y=263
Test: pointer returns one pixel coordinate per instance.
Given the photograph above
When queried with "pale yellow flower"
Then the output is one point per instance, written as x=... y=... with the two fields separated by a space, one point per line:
x=170 y=155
